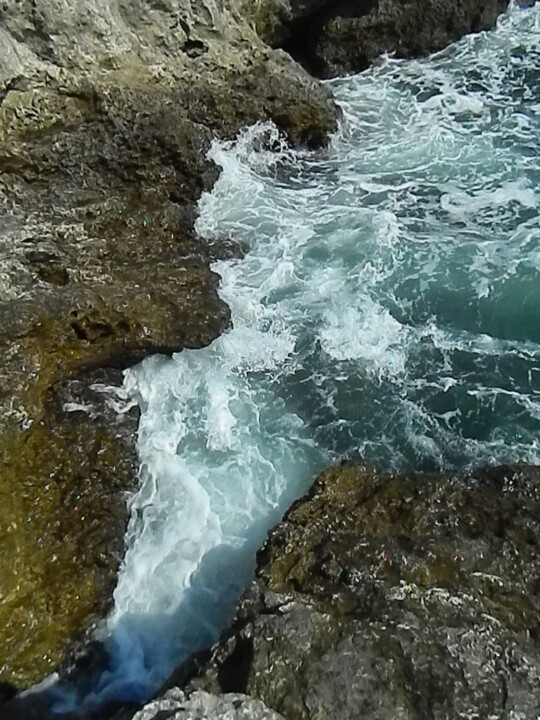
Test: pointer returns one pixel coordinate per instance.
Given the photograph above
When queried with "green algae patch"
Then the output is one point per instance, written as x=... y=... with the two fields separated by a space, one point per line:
x=383 y=595
x=62 y=494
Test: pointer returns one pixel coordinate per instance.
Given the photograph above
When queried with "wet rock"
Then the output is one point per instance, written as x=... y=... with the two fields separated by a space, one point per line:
x=404 y=596
x=107 y=112
x=63 y=518
x=332 y=38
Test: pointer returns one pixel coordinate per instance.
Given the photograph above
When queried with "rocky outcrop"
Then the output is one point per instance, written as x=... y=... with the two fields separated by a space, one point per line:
x=203 y=706
x=63 y=511
x=107 y=111
x=332 y=38
x=413 y=596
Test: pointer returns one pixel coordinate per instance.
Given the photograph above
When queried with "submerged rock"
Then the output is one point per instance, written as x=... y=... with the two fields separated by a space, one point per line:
x=402 y=596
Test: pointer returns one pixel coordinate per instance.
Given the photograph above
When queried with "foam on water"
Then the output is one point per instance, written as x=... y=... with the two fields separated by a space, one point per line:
x=388 y=308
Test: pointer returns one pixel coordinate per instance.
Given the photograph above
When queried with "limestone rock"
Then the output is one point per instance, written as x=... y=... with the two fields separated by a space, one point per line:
x=175 y=705
x=413 y=596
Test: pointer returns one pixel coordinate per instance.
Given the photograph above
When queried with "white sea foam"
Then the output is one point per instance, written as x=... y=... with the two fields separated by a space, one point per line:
x=387 y=308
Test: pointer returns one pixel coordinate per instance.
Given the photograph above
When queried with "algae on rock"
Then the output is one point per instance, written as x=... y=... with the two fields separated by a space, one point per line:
x=60 y=540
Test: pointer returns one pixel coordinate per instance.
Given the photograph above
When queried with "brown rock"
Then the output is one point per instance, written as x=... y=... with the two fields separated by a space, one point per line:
x=107 y=111
x=333 y=38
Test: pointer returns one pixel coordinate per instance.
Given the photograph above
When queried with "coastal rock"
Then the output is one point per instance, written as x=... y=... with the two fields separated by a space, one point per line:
x=107 y=111
x=404 y=596
x=333 y=38
x=175 y=705
x=62 y=520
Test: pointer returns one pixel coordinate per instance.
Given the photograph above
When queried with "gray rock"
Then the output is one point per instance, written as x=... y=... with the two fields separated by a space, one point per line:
x=107 y=111
x=175 y=705
x=380 y=596
x=332 y=38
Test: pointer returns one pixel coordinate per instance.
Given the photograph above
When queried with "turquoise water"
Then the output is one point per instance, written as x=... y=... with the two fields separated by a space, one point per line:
x=388 y=309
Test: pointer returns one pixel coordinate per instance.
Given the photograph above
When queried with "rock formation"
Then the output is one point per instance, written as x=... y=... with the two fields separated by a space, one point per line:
x=386 y=596
x=204 y=706
x=107 y=111
x=332 y=38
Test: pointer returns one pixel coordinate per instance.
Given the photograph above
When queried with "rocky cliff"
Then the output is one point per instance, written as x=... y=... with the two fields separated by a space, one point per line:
x=384 y=596
x=332 y=38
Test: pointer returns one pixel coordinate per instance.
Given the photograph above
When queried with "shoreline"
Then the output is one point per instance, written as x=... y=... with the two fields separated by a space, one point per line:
x=93 y=330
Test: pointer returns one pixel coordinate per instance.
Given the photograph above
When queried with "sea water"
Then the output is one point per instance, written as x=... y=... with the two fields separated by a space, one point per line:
x=387 y=309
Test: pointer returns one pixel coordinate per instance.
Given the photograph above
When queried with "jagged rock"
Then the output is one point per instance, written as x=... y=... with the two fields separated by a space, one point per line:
x=412 y=597
x=171 y=705
x=63 y=515
x=107 y=111
x=332 y=38
x=175 y=705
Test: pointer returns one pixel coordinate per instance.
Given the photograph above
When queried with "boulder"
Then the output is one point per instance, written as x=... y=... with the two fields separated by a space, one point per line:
x=335 y=38
x=404 y=596
x=107 y=111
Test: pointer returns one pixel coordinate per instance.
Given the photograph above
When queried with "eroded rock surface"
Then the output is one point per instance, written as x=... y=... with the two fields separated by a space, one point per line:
x=107 y=111
x=61 y=548
x=332 y=38
x=412 y=597
x=175 y=705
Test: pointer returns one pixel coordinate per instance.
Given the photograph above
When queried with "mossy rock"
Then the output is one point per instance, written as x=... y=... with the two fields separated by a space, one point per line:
x=62 y=494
